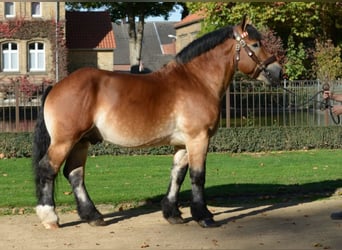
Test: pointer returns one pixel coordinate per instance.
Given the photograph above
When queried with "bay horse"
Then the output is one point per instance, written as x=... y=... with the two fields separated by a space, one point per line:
x=178 y=105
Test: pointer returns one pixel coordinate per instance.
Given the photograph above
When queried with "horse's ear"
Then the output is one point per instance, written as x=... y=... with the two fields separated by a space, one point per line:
x=244 y=22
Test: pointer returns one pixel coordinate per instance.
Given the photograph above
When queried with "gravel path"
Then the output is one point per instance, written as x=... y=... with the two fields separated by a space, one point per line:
x=281 y=226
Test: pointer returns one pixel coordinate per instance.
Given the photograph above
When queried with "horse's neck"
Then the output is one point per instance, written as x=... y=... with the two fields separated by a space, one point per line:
x=214 y=68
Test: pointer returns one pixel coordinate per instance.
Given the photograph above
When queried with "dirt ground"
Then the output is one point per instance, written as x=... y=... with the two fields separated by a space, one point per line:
x=280 y=226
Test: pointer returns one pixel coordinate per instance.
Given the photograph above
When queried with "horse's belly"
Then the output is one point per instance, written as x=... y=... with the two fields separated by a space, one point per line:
x=135 y=142
x=138 y=135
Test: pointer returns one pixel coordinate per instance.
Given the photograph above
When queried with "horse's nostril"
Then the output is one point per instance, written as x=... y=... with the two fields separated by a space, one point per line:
x=281 y=74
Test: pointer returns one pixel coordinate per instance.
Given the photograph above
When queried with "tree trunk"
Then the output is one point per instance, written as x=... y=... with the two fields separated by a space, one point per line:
x=140 y=35
x=132 y=40
x=135 y=39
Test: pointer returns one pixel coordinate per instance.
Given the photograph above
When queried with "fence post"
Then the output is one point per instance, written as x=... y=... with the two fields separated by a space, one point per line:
x=284 y=102
x=228 y=108
x=17 y=118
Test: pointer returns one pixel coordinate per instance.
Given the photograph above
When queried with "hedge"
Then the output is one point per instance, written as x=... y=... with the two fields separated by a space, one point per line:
x=225 y=140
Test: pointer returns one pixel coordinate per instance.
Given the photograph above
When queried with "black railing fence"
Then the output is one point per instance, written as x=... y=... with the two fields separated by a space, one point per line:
x=20 y=102
x=294 y=103
x=246 y=104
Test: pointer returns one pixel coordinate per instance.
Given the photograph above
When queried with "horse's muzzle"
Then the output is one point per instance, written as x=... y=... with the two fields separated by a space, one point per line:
x=272 y=74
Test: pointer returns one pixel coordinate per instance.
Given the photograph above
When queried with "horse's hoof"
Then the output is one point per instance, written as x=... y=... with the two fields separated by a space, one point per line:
x=97 y=223
x=208 y=223
x=53 y=225
x=175 y=220
x=336 y=216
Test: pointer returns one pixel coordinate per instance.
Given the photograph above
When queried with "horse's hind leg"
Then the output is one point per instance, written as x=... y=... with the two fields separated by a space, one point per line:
x=170 y=202
x=45 y=174
x=45 y=178
x=74 y=172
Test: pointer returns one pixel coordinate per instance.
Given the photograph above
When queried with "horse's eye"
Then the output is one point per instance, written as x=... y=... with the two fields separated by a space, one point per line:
x=256 y=45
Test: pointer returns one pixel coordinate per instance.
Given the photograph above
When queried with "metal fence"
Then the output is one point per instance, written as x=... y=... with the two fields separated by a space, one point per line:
x=295 y=103
x=246 y=104
x=19 y=105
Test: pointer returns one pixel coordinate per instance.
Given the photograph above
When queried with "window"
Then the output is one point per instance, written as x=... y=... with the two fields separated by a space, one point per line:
x=10 y=54
x=9 y=9
x=35 y=9
x=36 y=57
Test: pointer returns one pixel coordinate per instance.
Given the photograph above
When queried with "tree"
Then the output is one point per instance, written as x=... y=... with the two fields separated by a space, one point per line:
x=297 y=23
x=328 y=63
x=135 y=14
x=294 y=67
x=300 y=19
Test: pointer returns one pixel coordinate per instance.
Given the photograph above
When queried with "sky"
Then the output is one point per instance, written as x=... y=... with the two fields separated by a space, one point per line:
x=174 y=17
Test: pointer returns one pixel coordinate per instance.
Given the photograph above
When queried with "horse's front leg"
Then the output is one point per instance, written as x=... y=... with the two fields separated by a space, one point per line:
x=74 y=172
x=197 y=151
x=170 y=202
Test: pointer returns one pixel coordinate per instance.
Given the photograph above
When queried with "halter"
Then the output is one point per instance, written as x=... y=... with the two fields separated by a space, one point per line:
x=260 y=66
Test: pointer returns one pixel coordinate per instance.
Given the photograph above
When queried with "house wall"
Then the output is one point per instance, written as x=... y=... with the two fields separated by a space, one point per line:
x=105 y=60
x=186 y=34
x=23 y=62
x=23 y=11
x=90 y=58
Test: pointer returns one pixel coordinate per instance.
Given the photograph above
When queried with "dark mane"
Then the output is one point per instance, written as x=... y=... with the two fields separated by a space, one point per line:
x=210 y=41
x=253 y=33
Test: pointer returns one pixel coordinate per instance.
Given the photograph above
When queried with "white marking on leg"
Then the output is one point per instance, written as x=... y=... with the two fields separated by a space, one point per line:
x=47 y=215
x=80 y=193
x=180 y=160
x=79 y=190
x=172 y=195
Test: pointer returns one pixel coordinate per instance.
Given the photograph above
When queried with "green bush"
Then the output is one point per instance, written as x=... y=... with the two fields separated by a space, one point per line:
x=225 y=140
x=276 y=138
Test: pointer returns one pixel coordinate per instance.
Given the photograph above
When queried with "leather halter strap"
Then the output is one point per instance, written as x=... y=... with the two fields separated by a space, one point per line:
x=260 y=66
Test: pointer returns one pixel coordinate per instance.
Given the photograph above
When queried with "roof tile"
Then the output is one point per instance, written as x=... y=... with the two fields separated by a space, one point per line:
x=89 y=30
x=192 y=18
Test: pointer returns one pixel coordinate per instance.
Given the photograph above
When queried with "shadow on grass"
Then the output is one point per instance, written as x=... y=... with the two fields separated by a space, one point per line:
x=238 y=197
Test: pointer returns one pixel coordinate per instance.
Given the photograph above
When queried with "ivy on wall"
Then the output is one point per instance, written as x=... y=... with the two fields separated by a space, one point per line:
x=26 y=30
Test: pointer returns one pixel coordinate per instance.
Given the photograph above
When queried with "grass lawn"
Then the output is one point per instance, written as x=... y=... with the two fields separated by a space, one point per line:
x=230 y=178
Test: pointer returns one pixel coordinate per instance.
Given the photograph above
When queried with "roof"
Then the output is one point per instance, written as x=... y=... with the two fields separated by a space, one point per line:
x=89 y=30
x=190 y=19
x=156 y=47
x=169 y=49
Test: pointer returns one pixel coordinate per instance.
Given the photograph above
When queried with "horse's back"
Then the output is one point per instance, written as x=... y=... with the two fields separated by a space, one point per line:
x=126 y=109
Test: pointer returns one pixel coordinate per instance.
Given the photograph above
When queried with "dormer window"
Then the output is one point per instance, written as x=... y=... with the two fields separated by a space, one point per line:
x=9 y=9
x=36 y=9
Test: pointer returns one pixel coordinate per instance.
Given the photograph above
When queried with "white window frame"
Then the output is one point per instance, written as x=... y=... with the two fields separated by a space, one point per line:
x=10 y=52
x=40 y=9
x=9 y=15
x=38 y=55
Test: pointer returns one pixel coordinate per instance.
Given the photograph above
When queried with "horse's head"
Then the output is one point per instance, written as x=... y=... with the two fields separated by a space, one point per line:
x=251 y=58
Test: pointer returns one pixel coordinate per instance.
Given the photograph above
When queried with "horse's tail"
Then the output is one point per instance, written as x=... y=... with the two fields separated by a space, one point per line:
x=41 y=137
